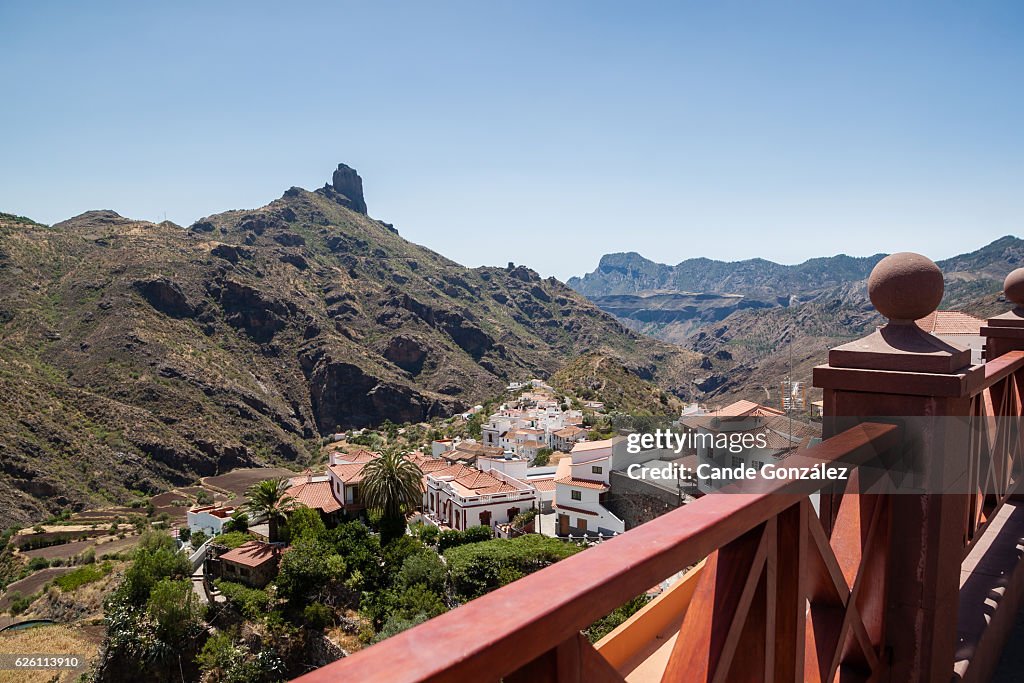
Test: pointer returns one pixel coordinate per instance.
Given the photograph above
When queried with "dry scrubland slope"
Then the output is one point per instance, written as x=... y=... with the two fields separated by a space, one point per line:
x=135 y=356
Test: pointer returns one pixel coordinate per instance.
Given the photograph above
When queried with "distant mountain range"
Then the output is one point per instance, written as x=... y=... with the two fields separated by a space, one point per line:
x=138 y=355
x=760 y=321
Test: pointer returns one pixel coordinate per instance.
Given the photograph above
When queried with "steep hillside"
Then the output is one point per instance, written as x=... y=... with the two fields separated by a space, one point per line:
x=136 y=355
x=604 y=377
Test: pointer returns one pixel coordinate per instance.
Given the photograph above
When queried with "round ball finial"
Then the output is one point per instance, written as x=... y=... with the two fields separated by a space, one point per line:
x=905 y=287
x=1013 y=286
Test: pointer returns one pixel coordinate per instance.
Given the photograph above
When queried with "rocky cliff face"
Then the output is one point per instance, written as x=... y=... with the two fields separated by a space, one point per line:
x=135 y=356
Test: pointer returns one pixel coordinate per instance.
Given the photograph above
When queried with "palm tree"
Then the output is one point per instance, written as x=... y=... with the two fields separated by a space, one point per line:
x=392 y=486
x=267 y=499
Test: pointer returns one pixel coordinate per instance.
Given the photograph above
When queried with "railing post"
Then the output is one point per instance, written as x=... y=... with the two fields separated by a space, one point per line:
x=1005 y=332
x=900 y=371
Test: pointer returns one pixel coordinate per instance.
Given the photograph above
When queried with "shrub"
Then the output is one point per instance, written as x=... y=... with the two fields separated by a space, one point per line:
x=37 y=563
x=450 y=538
x=318 y=616
x=176 y=610
x=396 y=625
x=307 y=569
x=198 y=538
x=423 y=568
x=155 y=559
x=20 y=603
x=233 y=539
x=605 y=625
x=480 y=567
x=253 y=603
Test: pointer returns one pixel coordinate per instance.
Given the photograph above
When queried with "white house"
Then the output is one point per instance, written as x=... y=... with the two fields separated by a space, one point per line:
x=461 y=496
x=209 y=519
x=582 y=479
x=957 y=328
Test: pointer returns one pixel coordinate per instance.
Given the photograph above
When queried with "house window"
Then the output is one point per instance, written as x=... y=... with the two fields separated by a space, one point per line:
x=737 y=461
x=757 y=465
x=576 y=495
x=596 y=469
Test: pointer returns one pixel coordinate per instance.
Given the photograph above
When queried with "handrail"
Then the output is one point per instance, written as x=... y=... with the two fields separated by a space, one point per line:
x=496 y=634
x=1000 y=368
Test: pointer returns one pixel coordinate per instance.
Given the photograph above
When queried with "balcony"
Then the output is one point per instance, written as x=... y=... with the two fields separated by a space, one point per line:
x=790 y=580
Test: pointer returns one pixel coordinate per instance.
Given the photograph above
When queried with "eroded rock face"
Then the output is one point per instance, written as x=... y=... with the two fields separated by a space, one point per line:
x=345 y=396
x=347 y=182
x=249 y=309
x=407 y=353
x=165 y=296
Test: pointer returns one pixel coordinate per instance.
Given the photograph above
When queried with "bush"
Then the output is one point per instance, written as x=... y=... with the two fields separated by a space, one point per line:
x=87 y=556
x=478 y=568
x=542 y=458
x=424 y=569
x=318 y=616
x=233 y=539
x=524 y=518
x=37 y=563
x=20 y=603
x=605 y=625
x=253 y=603
x=155 y=559
x=175 y=609
x=198 y=538
x=307 y=569
x=450 y=538
x=396 y=625
x=184 y=534
x=304 y=522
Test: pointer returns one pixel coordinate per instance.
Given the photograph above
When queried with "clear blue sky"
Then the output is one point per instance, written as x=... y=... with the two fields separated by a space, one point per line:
x=543 y=133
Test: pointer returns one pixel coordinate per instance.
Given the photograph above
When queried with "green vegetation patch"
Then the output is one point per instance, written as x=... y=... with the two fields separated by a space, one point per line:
x=80 y=576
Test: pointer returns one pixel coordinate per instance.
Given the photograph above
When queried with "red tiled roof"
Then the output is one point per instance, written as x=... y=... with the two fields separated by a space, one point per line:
x=361 y=455
x=744 y=408
x=582 y=483
x=317 y=495
x=482 y=482
x=543 y=484
x=349 y=473
x=950 y=322
x=251 y=554
x=568 y=432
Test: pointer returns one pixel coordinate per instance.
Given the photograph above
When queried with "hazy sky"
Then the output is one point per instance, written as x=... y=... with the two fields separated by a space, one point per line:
x=543 y=133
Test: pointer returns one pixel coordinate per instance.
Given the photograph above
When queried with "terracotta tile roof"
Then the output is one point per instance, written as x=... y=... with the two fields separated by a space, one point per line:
x=543 y=484
x=592 y=445
x=251 y=554
x=569 y=432
x=361 y=455
x=950 y=322
x=349 y=473
x=583 y=483
x=744 y=408
x=482 y=482
x=532 y=444
x=317 y=495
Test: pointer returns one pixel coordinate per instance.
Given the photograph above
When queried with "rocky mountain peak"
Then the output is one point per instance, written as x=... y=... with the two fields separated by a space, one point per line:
x=347 y=183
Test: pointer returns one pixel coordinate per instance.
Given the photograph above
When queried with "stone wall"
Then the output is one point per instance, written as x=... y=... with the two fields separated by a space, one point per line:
x=636 y=501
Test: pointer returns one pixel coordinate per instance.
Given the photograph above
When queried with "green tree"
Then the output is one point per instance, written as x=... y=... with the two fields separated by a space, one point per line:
x=268 y=500
x=175 y=609
x=543 y=457
x=305 y=522
x=239 y=522
x=392 y=488
x=156 y=558
x=307 y=569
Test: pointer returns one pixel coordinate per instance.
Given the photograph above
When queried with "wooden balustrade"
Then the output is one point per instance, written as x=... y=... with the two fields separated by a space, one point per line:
x=995 y=449
x=779 y=598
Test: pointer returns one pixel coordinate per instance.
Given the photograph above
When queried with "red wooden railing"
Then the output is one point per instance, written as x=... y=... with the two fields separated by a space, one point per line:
x=780 y=598
x=996 y=457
